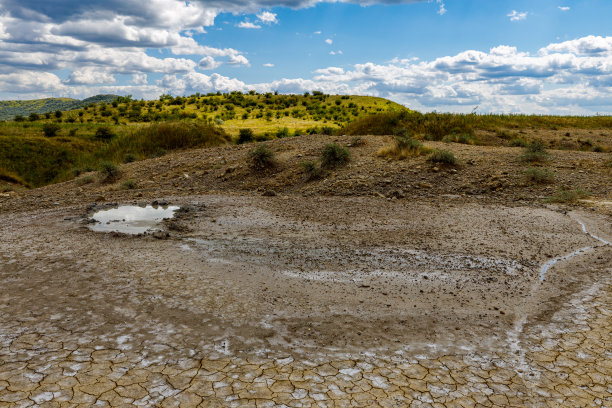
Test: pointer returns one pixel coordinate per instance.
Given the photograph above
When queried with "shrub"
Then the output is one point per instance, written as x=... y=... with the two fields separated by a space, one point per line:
x=33 y=117
x=245 y=136
x=539 y=175
x=327 y=130
x=535 y=152
x=334 y=155
x=261 y=158
x=284 y=132
x=443 y=157
x=108 y=171
x=312 y=170
x=568 y=196
x=58 y=114
x=402 y=148
x=104 y=133
x=128 y=185
x=50 y=129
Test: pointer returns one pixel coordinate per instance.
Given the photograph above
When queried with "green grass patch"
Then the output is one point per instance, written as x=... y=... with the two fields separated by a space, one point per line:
x=568 y=196
x=538 y=175
x=535 y=152
x=439 y=156
x=402 y=148
x=128 y=184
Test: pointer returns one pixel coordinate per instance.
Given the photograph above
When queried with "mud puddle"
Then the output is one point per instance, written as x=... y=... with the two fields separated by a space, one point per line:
x=131 y=219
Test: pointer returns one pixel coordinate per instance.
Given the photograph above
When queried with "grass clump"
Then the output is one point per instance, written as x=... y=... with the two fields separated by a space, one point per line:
x=129 y=158
x=402 y=148
x=312 y=170
x=568 y=196
x=538 y=175
x=84 y=180
x=535 y=152
x=108 y=172
x=334 y=155
x=128 y=184
x=443 y=157
x=461 y=138
x=261 y=158
x=518 y=142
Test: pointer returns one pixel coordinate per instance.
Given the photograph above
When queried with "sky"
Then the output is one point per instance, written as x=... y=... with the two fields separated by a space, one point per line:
x=488 y=56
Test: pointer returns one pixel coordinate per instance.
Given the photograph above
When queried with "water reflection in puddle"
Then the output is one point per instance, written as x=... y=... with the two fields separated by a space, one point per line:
x=131 y=219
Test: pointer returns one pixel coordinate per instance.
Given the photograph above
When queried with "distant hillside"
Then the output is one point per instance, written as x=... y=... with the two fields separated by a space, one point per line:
x=10 y=109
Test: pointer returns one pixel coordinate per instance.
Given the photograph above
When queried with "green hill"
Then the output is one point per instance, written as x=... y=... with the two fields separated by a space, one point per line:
x=11 y=109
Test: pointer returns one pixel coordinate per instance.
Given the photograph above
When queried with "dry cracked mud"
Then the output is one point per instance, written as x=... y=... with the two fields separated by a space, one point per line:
x=308 y=301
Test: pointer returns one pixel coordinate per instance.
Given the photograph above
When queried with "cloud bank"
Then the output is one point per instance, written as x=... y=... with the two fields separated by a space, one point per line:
x=76 y=48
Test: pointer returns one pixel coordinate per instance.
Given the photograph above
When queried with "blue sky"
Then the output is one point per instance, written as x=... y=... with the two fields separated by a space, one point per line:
x=548 y=56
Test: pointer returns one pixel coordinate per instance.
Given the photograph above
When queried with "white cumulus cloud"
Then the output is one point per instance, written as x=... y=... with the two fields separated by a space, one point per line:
x=248 y=25
x=267 y=17
x=208 y=63
x=238 y=60
x=517 y=15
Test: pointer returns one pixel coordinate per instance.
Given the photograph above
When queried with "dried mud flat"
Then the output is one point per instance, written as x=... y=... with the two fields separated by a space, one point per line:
x=308 y=301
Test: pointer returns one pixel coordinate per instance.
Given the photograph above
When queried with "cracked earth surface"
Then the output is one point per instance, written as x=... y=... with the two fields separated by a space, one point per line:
x=294 y=301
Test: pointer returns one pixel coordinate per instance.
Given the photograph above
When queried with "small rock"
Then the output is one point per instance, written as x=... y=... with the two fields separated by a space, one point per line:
x=161 y=235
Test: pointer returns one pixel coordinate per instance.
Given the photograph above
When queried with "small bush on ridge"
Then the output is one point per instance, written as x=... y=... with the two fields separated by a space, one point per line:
x=108 y=171
x=334 y=155
x=312 y=170
x=261 y=158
